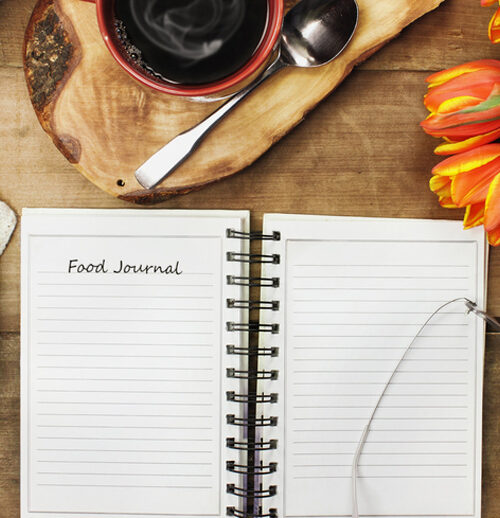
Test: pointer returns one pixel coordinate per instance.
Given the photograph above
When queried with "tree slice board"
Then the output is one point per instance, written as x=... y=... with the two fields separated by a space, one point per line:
x=107 y=124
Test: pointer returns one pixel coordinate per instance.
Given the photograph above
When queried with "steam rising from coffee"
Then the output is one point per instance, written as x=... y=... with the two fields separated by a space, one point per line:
x=194 y=30
x=190 y=42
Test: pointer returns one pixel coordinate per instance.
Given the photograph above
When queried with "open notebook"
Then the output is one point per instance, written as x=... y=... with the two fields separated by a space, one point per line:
x=136 y=368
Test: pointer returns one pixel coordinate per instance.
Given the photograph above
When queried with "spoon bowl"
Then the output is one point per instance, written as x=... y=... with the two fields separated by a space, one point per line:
x=314 y=33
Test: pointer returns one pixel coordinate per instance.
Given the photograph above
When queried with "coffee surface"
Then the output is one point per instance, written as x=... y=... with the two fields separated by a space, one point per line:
x=191 y=42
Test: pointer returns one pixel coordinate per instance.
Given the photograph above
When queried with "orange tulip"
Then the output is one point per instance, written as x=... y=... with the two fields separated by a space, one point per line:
x=494 y=27
x=472 y=180
x=464 y=105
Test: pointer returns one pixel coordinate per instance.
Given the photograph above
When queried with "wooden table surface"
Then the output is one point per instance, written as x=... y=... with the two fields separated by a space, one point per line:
x=360 y=153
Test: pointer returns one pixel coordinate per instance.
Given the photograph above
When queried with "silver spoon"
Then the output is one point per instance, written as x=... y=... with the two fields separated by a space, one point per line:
x=314 y=33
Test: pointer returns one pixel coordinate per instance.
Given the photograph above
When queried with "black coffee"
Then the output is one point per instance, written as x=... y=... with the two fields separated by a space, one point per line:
x=191 y=41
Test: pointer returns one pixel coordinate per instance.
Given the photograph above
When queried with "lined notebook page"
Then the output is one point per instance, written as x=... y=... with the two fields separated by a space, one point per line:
x=355 y=293
x=123 y=334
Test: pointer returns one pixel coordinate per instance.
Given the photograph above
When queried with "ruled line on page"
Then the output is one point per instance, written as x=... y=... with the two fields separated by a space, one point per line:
x=321 y=441
x=177 y=475
x=413 y=418
x=381 y=476
x=121 y=331
x=376 y=394
x=194 y=357
x=421 y=337
x=371 y=359
x=107 y=450
x=121 y=308
x=128 y=296
x=310 y=407
x=377 y=371
x=370 y=324
x=100 y=344
x=128 y=403
x=378 y=348
x=152 y=463
x=435 y=465
x=65 y=272
x=106 y=391
x=370 y=265
x=382 y=453
x=180 y=369
x=126 y=285
x=172 y=416
x=102 y=427
x=376 y=301
x=375 y=430
x=125 y=486
x=121 y=379
x=113 y=367
x=162 y=439
x=361 y=383
x=132 y=321
x=388 y=313
x=385 y=277
x=350 y=288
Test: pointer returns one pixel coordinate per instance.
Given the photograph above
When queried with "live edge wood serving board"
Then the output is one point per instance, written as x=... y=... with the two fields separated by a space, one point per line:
x=106 y=124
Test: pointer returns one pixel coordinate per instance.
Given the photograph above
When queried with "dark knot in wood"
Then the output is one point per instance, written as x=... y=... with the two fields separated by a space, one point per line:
x=48 y=54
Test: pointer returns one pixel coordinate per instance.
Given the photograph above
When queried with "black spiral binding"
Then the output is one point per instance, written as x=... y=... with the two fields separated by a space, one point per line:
x=255 y=236
x=247 y=351
x=252 y=398
x=253 y=304
x=254 y=470
x=254 y=282
x=250 y=470
x=231 y=511
x=251 y=446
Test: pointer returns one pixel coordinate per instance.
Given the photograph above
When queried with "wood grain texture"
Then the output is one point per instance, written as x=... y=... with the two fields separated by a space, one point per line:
x=107 y=124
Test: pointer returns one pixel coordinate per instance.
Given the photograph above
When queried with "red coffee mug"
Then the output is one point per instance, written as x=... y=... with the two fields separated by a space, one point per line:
x=216 y=90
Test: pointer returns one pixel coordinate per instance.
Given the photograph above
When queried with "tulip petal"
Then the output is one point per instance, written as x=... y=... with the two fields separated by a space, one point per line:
x=451 y=148
x=494 y=237
x=489 y=107
x=447 y=203
x=446 y=75
x=492 y=206
x=467 y=161
x=440 y=185
x=462 y=132
x=485 y=111
x=485 y=3
x=458 y=103
x=459 y=119
x=494 y=28
x=478 y=84
x=474 y=215
x=473 y=186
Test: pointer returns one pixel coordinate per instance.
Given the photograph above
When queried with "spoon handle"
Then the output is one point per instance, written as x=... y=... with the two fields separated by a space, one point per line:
x=169 y=157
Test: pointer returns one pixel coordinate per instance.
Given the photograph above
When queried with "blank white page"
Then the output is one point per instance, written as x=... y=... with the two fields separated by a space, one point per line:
x=123 y=366
x=354 y=293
